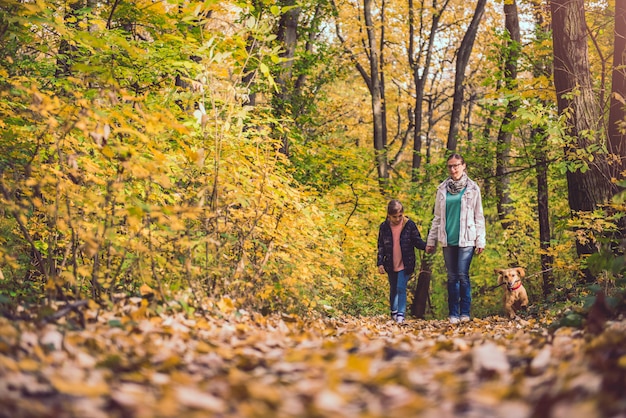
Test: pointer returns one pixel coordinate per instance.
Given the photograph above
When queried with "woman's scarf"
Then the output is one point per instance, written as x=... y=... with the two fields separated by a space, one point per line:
x=455 y=186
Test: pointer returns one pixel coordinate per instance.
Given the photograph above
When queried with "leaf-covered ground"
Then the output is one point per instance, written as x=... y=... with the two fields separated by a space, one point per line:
x=131 y=362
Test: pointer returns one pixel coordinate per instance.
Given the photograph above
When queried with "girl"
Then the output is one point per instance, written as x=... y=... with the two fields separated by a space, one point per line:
x=398 y=237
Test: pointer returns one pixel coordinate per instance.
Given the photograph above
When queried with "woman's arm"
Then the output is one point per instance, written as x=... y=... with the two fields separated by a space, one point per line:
x=479 y=220
x=433 y=233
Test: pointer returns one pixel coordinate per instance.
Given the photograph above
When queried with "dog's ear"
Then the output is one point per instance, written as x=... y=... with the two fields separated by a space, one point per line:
x=499 y=273
x=521 y=272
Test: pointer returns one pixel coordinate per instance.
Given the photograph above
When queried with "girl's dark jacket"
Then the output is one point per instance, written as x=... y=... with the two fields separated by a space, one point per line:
x=410 y=239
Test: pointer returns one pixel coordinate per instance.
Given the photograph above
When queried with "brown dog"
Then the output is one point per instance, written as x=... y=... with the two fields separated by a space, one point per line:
x=515 y=296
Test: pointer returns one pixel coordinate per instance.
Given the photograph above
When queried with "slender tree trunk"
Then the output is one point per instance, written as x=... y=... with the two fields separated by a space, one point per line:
x=430 y=117
x=376 y=91
x=511 y=54
x=542 y=68
x=538 y=136
x=374 y=81
x=469 y=131
x=575 y=98
x=462 y=60
x=420 y=77
x=420 y=72
x=617 y=113
x=287 y=35
x=67 y=51
x=248 y=78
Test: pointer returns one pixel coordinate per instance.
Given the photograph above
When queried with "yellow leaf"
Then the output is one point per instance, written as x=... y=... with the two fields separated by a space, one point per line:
x=268 y=393
x=79 y=388
x=141 y=312
x=226 y=305
x=170 y=363
x=203 y=348
x=107 y=151
x=7 y=363
x=29 y=365
x=146 y=290
x=358 y=364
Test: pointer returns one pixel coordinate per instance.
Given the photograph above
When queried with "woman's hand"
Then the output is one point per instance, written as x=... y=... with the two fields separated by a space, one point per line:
x=478 y=250
x=430 y=249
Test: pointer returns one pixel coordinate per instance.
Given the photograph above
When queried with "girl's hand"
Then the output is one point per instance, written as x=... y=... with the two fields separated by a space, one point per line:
x=381 y=269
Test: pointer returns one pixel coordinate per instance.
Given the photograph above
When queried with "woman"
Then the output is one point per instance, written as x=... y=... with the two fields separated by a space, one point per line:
x=398 y=237
x=459 y=226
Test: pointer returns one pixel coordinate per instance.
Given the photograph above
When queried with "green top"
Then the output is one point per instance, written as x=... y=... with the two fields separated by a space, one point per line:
x=453 y=216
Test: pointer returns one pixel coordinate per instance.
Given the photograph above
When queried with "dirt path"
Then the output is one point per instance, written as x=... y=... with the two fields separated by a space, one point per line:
x=134 y=364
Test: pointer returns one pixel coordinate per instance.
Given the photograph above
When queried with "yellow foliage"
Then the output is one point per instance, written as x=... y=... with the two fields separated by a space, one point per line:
x=80 y=387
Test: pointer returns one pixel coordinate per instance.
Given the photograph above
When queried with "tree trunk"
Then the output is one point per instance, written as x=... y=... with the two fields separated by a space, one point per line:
x=511 y=54
x=374 y=81
x=462 y=60
x=376 y=91
x=420 y=74
x=67 y=51
x=542 y=68
x=538 y=136
x=572 y=81
x=617 y=113
x=287 y=35
x=425 y=52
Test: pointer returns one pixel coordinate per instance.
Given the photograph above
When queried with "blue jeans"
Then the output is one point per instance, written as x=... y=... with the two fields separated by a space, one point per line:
x=397 y=291
x=458 y=260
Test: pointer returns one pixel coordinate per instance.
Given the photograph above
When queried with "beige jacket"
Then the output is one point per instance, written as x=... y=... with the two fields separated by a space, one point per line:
x=472 y=229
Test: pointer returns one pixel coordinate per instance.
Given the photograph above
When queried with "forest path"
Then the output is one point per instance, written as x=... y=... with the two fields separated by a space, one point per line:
x=132 y=363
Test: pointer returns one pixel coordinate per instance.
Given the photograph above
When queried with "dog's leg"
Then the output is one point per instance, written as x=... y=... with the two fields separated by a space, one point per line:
x=508 y=307
x=523 y=298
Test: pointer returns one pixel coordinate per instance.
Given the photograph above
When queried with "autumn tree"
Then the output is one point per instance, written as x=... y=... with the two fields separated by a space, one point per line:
x=303 y=54
x=462 y=59
x=541 y=68
x=588 y=176
x=373 y=74
x=420 y=57
x=422 y=40
x=287 y=36
x=617 y=112
x=511 y=53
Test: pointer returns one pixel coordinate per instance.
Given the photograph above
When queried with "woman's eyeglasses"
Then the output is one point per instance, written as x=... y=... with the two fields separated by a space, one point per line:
x=451 y=166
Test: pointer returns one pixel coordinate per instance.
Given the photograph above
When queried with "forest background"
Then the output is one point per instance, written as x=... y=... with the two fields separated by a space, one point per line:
x=242 y=153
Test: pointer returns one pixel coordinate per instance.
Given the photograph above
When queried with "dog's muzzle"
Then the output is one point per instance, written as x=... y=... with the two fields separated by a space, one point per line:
x=514 y=286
